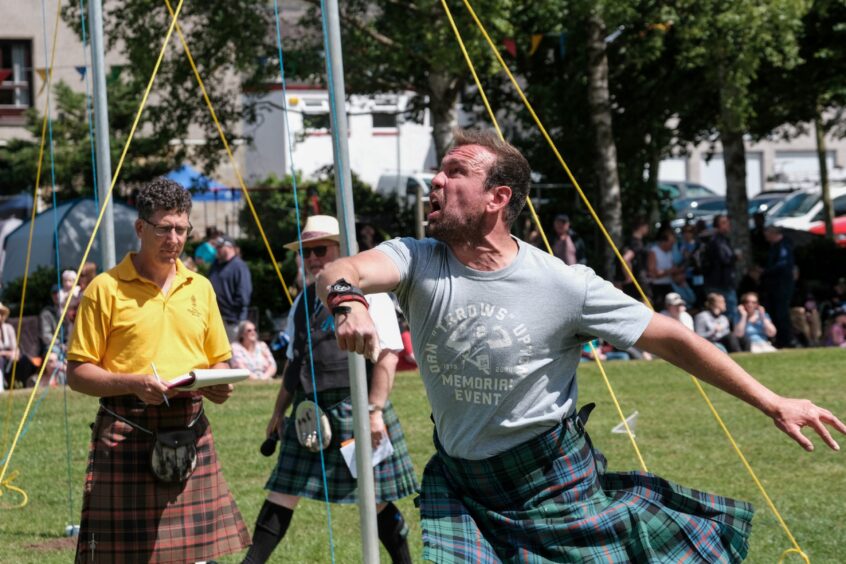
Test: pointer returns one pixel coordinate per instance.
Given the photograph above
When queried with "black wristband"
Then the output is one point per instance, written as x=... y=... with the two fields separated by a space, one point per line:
x=341 y=310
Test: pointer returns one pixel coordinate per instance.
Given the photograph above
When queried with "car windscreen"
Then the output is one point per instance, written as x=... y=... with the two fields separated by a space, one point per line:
x=797 y=205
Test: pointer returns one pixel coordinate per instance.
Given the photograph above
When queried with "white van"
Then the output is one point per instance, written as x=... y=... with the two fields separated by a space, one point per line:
x=404 y=186
x=803 y=208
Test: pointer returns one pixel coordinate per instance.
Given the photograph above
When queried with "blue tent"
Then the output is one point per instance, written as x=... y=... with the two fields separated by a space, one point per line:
x=203 y=188
x=19 y=205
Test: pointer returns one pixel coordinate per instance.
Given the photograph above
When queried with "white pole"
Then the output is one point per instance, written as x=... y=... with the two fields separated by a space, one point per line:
x=349 y=246
x=101 y=128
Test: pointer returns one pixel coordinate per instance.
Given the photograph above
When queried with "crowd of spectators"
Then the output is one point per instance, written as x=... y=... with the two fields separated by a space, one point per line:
x=694 y=277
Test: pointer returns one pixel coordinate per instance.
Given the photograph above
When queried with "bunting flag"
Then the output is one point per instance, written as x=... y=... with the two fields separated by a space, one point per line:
x=615 y=34
x=81 y=70
x=510 y=46
x=536 y=41
x=4 y=74
x=42 y=74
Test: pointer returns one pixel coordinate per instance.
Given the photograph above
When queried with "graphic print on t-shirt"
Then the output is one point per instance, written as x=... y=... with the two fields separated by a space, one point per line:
x=484 y=352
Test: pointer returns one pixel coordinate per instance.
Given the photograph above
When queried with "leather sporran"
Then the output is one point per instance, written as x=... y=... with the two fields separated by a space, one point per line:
x=306 y=420
x=173 y=457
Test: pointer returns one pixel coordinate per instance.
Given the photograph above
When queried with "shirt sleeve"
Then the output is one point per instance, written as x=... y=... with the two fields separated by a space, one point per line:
x=610 y=314
x=91 y=328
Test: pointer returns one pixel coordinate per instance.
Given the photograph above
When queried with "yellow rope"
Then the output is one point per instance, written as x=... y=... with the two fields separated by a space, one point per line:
x=7 y=484
x=93 y=234
x=719 y=419
x=541 y=230
x=231 y=156
x=8 y=417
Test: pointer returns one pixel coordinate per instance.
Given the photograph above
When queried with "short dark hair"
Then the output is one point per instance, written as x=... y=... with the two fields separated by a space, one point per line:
x=717 y=219
x=162 y=194
x=510 y=168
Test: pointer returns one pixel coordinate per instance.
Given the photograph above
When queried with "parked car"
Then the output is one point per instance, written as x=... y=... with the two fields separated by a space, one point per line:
x=679 y=189
x=839 y=230
x=690 y=210
x=804 y=208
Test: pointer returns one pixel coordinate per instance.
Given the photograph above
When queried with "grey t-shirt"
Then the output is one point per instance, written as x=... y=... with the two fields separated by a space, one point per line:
x=498 y=350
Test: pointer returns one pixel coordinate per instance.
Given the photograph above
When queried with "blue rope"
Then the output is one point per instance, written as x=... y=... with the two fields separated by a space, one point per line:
x=56 y=249
x=302 y=267
x=88 y=110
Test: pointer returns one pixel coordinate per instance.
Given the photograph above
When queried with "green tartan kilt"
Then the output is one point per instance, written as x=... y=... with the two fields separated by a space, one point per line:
x=298 y=470
x=550 y=500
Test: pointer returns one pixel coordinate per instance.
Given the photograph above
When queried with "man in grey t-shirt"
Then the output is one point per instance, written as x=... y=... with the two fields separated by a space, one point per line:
x=497 y=327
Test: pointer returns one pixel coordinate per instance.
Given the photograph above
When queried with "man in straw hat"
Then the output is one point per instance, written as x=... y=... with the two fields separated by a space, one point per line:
x=514 y=476
x=154 y=491
x=298 y=470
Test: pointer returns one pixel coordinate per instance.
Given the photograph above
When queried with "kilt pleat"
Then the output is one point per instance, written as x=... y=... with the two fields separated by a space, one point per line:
x=550 y=500
x=298 y=470
x=129 y=516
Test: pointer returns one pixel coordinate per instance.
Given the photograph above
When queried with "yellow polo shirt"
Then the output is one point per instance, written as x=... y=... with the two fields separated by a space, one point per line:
x=124 y=324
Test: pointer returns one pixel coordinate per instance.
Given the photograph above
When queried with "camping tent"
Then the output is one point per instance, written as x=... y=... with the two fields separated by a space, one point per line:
x=76 y=221
x=203 y=188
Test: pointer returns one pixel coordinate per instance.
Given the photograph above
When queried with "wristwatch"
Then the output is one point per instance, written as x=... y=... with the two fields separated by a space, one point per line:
x=341 y=287
x=371 y=407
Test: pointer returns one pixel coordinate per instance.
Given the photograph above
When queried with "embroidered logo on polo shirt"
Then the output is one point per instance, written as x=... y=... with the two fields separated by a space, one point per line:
x=193 y=309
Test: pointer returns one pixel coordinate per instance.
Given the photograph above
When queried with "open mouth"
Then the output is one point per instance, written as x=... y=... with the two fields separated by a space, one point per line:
x=434 y=208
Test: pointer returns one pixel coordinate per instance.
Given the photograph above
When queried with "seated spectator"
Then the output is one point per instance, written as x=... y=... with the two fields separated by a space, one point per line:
x=712 y=324
x=252 y=353
x=835 y=301
x=804 y=313
x=835 y=334
x=674 y=306
x=754 y=327
x=9 y=352
x=68 y=290
x=48 y=321
x=682 y=288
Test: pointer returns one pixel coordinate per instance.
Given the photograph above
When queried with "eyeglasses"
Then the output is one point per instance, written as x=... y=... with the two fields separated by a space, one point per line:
x=319 y=252
x=250 y=330
x=163 y=230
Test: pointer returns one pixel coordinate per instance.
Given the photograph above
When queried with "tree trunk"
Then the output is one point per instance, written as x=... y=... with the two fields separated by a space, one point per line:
x=610 y=208
x=828 y=211
x=734 y=160
x=443 y=97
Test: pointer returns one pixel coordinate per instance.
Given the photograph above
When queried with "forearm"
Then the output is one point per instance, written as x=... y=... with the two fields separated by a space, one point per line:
x=334 y=271
x=283 y=401
x=740 y=328
x=693 y=354
x=382 y=382
x=92 y=380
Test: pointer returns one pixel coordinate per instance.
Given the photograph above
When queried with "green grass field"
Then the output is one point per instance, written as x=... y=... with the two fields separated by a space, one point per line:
x=676 y=432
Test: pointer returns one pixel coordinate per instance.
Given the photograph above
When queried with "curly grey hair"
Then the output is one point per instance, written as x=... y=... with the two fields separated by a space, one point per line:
x=162 y=194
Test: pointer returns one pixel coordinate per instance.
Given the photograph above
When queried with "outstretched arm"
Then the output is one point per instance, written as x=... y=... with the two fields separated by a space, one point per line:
x=671 y=341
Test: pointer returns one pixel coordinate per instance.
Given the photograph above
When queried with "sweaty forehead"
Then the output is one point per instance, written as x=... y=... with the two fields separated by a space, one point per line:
x=475 y=157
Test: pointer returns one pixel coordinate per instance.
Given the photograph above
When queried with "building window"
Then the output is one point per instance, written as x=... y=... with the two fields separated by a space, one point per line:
x=316 y=122
x=384 y=120
x=15 y=74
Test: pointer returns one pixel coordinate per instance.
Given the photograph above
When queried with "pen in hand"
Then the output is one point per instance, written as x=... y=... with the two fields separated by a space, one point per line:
x=159 y=380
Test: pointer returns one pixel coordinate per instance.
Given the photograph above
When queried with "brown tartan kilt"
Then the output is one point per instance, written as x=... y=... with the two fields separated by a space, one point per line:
x=130 y=516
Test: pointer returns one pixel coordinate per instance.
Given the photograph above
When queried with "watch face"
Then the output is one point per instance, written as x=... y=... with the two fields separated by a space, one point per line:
x=341 y=287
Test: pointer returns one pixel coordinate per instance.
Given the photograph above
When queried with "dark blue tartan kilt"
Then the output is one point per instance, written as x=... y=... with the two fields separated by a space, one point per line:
x=550 y=500
x=298 y=470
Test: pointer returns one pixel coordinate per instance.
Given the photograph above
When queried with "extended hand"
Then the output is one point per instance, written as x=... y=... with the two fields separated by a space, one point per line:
x=790 y=415
x=219 y=393
x=355 y=331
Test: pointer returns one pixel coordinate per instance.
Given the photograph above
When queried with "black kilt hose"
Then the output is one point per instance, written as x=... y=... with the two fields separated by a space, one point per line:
x=298 y=470
x=130 y=516
x=551 y=500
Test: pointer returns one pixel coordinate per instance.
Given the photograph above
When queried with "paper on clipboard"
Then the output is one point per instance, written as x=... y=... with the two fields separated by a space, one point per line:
x=380 y=453
x=202 y=378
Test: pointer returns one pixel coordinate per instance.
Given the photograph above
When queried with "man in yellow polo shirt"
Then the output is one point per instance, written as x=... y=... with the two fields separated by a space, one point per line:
x=153 y=490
